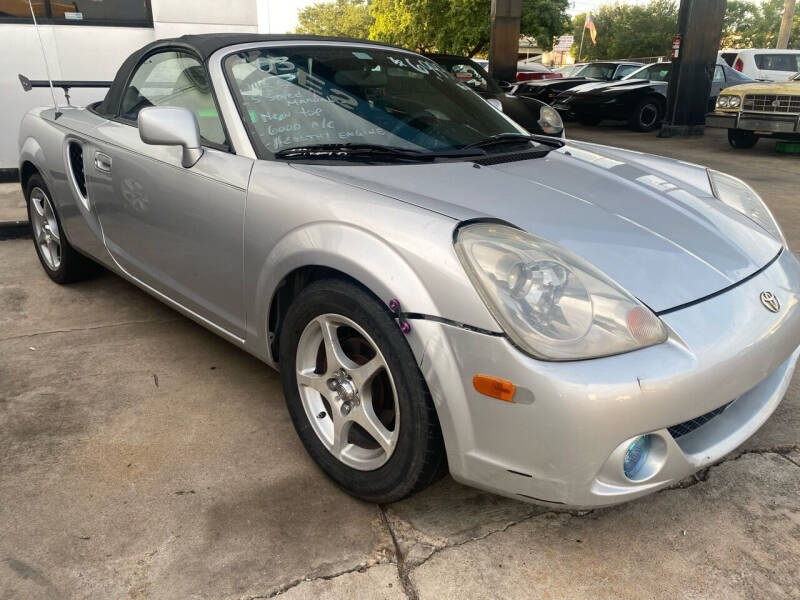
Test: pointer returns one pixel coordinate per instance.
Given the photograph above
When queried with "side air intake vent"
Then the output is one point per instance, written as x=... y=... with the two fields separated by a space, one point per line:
x=75 y=152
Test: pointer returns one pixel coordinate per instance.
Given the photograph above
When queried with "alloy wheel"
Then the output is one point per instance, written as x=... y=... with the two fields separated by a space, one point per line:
x=45 y=228
x=347 y=392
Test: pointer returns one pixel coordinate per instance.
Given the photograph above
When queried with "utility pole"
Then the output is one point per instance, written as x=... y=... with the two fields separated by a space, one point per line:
x=786 y=25
x=504 y=39
x=693 y=63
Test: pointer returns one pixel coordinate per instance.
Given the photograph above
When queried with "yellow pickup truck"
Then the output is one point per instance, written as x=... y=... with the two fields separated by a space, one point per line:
x=754 y=110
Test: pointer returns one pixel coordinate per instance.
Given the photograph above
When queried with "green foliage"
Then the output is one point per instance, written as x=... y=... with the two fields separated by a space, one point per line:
x=344 y=18
x=459 y=26
x=756 y=25
x=628 y=30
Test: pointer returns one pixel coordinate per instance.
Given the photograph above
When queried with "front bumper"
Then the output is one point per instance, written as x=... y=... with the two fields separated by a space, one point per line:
x=761 y=122
x=562 y=440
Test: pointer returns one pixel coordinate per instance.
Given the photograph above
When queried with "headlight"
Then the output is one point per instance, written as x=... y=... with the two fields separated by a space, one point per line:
x=728 y=101
x=740 y=196
x=550 y=121
x=552 y=304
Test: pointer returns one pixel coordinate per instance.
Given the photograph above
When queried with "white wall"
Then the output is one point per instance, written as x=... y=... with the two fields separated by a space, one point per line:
x=95 y=53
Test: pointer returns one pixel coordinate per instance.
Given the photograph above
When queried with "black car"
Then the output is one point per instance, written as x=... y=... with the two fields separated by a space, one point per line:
x=639 y=98
x=533 y=115
x=547 y=90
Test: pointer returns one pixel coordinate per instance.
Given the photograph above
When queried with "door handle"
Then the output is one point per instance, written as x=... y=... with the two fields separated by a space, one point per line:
x=102 y=162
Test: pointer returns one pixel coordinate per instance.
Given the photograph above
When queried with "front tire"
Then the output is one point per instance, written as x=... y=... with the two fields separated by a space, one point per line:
x=741 y=139
x=646 y=115
x=62 y=263
x=355 y=394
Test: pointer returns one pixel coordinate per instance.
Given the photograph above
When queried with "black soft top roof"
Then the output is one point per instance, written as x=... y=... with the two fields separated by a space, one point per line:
x=203 y=45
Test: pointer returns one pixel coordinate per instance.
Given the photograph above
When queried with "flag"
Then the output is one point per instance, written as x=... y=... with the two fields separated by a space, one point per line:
x=592 y=30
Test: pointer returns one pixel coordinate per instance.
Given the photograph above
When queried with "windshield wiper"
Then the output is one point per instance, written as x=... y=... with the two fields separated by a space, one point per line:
x=343 y=151
x=510 y=137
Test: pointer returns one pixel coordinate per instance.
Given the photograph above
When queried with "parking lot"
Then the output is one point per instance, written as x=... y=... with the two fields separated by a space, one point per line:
x=141 y=456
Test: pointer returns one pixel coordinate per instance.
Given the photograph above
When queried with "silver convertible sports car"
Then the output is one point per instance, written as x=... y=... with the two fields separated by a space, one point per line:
x=562 y=323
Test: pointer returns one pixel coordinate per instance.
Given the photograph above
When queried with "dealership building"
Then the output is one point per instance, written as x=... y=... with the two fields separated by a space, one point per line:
x=88 y=40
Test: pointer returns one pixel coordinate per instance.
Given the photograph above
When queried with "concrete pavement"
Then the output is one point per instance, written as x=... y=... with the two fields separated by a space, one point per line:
x=143 y=457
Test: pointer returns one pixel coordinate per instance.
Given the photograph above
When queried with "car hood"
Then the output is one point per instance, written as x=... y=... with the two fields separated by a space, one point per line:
x=651 y=224
x=621 y=85
x=788 y=87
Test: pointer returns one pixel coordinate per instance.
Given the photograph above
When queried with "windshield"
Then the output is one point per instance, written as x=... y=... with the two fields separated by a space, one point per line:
x=314 y=95
x=655 y=72
x=597 y=71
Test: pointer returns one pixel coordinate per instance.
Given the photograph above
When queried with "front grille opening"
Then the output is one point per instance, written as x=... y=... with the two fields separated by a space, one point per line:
x=75 y=152
x=772 y=103
x=689 y=426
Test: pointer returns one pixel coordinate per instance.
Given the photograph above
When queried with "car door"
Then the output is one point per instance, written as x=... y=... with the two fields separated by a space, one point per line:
x=177 y=230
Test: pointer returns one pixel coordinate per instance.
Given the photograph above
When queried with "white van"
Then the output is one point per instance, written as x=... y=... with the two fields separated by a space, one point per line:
x=763 y=63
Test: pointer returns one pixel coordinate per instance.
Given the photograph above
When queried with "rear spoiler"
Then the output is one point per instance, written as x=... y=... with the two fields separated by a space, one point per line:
x=66 y=85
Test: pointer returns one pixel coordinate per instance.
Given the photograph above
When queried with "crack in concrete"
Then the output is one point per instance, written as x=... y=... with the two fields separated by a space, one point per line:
x=702 y=475
x=360 y=568
x=89 y=328
x=403 y=570
x=699 y=477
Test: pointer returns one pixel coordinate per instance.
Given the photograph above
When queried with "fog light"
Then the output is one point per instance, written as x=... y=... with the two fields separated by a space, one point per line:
x=636 y=456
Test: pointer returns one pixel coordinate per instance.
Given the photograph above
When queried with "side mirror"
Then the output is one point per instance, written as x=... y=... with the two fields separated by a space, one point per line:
x=505 y=85
x=172 y=126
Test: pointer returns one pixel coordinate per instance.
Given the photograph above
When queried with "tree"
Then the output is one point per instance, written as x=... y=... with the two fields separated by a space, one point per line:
x=343 y=18
x=459 y=26
x=628 y=31
x=753 y=25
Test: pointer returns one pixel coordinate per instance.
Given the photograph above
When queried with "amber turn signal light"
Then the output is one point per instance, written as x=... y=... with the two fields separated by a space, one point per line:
x=494 y=387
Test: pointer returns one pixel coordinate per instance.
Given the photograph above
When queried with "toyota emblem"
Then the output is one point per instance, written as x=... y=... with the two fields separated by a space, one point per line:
x=770 y=302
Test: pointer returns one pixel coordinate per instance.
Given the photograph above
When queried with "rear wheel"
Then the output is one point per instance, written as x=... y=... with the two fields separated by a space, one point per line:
x=741 y=138
x=646 y=115
x=61 y=262
x=355 y=394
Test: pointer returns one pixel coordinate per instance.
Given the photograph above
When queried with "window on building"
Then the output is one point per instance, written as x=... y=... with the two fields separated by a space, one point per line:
x=132 y=13
x=174 y=79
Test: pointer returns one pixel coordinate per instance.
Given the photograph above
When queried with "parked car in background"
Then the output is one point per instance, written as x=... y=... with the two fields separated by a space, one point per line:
x=568 y=70
x=547 y=90
x=533 y=115
x=763 y=63
x=751 y=111
x=530 y=71
x=639 y=98
x=563 y=323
